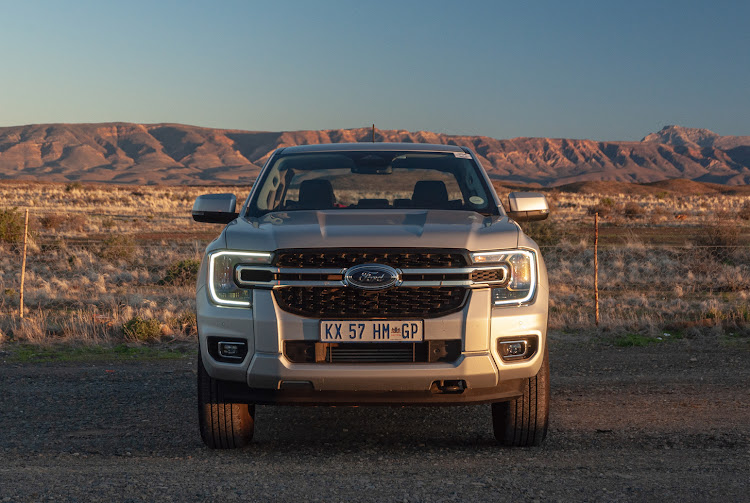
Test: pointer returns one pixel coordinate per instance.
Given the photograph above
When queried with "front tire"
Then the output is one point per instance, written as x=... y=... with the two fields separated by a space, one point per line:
x=223 y=425
x=523 y=422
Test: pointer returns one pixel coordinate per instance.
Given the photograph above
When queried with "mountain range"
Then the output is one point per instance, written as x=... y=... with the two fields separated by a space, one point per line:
x=180 y=154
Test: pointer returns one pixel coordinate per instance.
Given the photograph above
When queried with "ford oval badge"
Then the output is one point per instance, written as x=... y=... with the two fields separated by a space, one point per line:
x=371 y=276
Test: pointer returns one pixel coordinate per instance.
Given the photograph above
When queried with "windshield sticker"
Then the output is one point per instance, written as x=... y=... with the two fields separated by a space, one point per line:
x=476 y=200
x=462 y=155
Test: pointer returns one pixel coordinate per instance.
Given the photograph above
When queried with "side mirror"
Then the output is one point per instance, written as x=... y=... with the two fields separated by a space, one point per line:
x=527 y=206
x=215 y=208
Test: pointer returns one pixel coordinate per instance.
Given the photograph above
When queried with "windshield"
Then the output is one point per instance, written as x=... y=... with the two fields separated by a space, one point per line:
x=372 y=180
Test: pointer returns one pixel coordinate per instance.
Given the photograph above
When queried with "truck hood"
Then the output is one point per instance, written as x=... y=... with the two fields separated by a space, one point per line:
x=372 y=229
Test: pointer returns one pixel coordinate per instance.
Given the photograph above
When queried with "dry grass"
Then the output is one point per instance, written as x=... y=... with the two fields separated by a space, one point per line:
x=668 y=262
x=649 y=289
x=99 y=257
x=103 y=256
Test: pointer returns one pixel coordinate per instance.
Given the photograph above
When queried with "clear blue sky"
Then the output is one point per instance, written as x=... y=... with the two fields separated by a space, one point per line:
x=577 y=69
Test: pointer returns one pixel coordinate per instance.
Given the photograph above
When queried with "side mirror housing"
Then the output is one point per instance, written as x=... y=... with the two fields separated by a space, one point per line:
x=527 y=206
x=215 y=208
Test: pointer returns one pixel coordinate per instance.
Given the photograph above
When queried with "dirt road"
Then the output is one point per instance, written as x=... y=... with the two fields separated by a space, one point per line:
x=666 y=422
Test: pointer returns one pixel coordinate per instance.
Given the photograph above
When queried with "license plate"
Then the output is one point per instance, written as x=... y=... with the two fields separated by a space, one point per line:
x=371 y=331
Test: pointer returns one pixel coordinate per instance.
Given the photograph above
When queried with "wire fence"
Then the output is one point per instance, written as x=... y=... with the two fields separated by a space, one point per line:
x=641 y=287
x=97 y=260
x=640 y=263
x=119 y=263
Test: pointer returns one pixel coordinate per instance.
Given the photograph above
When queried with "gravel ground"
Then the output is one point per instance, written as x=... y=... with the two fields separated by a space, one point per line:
x=663 y=422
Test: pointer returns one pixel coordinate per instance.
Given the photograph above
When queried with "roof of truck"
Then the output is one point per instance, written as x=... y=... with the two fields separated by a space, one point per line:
x=354 y=147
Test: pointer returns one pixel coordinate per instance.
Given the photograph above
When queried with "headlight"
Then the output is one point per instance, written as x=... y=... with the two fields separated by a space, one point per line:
x=522 y=285
x=224 y=291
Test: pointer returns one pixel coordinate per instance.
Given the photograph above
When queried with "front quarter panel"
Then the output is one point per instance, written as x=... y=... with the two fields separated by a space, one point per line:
x=516 y=321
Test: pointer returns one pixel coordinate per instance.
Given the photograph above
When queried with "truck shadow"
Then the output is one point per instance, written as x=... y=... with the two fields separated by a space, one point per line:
x=344 y=428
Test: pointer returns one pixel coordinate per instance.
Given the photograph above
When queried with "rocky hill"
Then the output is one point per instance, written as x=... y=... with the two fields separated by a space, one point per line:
x=696 y=138
x=180 y=154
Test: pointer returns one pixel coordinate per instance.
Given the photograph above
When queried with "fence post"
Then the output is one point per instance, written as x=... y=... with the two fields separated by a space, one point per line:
x=596 y=268
x=23 y=263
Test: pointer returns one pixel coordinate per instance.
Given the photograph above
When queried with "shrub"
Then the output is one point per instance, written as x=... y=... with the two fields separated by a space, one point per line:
x=73 y=186
x=120 y=247
x=604 y=207
x=11 y=225
x=633 y=210
x=719 y=239
x=184 y=272
x=141 y=329
x=52 y=221
x=603 y=210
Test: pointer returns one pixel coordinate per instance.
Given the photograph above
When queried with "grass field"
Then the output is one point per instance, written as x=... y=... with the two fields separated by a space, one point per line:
x=117 y=264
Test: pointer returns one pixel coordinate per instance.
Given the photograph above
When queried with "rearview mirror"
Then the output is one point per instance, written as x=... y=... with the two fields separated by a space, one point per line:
x=527 y=206
x=373 y=165
x=215 y=208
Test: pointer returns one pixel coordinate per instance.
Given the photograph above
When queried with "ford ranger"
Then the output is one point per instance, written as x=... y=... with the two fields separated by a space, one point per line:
x=372 y=274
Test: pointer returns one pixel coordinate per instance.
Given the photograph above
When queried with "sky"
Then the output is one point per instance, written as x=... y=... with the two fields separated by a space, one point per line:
x=602 y=70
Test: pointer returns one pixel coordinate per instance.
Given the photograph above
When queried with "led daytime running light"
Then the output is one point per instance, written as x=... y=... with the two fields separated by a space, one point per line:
x=240 y=257
x=518 y=261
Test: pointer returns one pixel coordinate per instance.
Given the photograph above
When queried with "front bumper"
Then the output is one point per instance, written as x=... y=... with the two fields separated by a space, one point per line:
x=240 y=393
x=267 y=376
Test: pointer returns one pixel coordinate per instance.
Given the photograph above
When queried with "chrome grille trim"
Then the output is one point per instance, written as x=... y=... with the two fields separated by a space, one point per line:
x=502 y=270
x=424 y=283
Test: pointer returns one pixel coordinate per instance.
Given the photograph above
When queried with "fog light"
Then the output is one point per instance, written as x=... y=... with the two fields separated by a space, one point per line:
x=519 y=349
x=514 y=348
x=232 y=350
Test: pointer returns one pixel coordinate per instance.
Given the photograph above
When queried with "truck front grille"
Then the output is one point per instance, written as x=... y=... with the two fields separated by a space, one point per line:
x=375 y=353
x=398 y=258
x=418 y=302
x=437 y=351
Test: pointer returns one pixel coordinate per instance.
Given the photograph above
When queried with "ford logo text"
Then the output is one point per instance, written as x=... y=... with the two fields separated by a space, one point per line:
x=371 y=276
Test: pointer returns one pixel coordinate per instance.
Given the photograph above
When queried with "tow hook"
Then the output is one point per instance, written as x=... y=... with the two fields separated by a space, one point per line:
x=453 y=387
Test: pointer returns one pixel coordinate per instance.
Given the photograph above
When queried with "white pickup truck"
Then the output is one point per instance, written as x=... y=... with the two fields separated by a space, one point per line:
x=372 y=274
